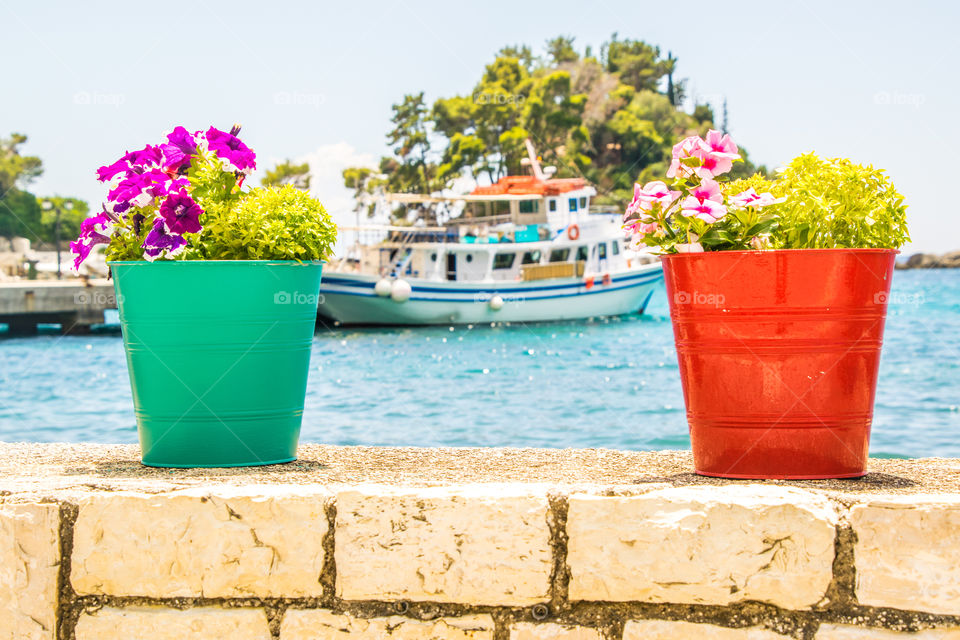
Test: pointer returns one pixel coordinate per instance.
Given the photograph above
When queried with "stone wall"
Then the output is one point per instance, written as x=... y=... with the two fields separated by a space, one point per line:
x=380 y=543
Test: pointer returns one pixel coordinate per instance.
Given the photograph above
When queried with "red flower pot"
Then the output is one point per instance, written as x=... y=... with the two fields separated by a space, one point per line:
x=778 y=354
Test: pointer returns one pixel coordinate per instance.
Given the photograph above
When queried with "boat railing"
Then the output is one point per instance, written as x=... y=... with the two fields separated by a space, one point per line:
x=404 y=251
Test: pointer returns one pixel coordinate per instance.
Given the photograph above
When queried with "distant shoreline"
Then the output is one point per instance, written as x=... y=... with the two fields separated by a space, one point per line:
x=950 y=260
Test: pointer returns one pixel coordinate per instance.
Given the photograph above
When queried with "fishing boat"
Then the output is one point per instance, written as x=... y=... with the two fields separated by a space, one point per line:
x=524 y=249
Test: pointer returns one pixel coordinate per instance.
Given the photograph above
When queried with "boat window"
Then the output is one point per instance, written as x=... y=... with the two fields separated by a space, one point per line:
x=501 y=207
x=503 y=260
x=559 y=255
x=582 y=254
x=451 y=266
x=616 y=247
x=469 y=257
x=583 y=202
x=573 y=204
x=602 y=250
x=433 y=257
x=529 y=206
x=553 y=204
x=531 y=257
x=479 y=209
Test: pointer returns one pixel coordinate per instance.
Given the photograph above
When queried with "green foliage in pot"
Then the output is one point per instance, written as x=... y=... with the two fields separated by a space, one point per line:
x=832 y=203
x=275 y=223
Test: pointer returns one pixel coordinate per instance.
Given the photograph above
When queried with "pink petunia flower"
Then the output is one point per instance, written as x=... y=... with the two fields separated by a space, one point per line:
x=708 y=210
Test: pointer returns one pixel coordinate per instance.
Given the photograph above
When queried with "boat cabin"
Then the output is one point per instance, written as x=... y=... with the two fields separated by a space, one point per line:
x=527 y=200
x=521 y=228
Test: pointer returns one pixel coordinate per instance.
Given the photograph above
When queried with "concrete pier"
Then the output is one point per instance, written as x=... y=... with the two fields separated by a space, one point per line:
x=75 y=305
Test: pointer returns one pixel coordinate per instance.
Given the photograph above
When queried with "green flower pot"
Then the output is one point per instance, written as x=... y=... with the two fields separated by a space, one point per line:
x=218 y=354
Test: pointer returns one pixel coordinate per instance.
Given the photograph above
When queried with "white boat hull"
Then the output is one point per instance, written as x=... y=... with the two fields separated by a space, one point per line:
x=350 y=299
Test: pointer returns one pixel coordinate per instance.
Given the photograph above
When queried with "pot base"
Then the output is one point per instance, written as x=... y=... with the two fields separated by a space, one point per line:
x=228 y=465
x=747 y=476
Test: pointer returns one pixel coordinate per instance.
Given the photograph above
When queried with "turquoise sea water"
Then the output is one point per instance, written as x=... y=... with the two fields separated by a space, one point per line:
x=606 y=383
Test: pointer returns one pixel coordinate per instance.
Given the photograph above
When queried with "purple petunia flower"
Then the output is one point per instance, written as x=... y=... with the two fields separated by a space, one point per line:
x=233 y=153
x=147 y=157
x=178 y=150
x=158 y=183
x=98 y=227
x=108 y=172
x=93 y=231
x=180 y=213
x=81 y=251
x=139 y=189
x=161 y=243
x=117 y=207
x=130 y=187
x=131 y=162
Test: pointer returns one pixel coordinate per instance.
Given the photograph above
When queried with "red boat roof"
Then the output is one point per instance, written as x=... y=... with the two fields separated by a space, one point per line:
x=529 y=185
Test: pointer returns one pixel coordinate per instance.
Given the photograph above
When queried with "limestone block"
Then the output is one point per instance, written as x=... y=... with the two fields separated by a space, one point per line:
x=173 y=624
x=907 y=553
x=703 y=545
x=29 y=565
x=551 y=631
x=671 y=630
x=318 y=624
x=485 y=544
x=222 y=542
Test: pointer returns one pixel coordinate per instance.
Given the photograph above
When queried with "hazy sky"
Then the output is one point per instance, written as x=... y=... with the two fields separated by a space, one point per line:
x=875 y=81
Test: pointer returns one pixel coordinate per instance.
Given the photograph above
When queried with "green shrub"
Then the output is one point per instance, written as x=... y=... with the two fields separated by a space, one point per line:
x=275 y=223
x=831 y=203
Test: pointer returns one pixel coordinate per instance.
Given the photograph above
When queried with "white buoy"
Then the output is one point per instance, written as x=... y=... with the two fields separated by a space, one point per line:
x=496 y=303
x=383 y=288
x=400 y=291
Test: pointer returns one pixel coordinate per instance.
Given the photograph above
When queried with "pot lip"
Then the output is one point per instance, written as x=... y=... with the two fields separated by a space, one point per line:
x=755 y=252
x=194 y=262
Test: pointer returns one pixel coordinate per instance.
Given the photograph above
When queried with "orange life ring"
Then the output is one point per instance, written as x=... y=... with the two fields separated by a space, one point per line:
x=588 y=283
x=607 y=279
x=573 y=232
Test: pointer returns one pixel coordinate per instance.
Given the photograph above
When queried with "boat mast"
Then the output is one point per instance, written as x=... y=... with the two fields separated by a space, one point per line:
x=532 y=160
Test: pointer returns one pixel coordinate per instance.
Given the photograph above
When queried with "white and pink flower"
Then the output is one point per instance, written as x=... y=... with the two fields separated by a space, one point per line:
x=689 y=247
x=717 y=153
x=683 y=149
x=672 y=219
x=707 y=190
x=750 y=198
x=707 y=210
